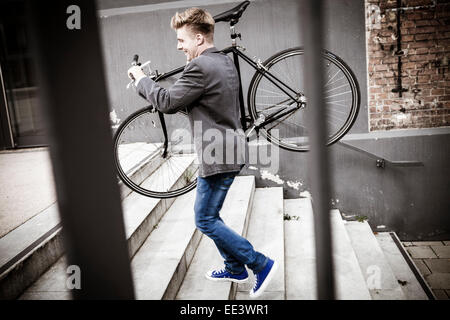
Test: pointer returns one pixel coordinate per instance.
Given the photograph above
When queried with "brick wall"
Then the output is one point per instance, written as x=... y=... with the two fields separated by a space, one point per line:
x=425 y=42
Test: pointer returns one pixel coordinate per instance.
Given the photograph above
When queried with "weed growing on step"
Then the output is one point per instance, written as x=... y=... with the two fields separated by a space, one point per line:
x=361 y=218
x=187 y=175
x=289 y=217
x=402 y=283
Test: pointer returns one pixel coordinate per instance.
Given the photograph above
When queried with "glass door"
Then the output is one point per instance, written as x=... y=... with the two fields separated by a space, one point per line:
x=22 y=121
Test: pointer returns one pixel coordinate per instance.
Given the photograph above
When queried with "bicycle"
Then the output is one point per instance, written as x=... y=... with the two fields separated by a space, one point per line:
x=161 y=162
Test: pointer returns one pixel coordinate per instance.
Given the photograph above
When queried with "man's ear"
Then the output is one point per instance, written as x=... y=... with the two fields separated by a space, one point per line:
x=200 y=39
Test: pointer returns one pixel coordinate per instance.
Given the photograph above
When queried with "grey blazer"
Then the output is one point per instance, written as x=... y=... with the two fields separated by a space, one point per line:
x=209 y=90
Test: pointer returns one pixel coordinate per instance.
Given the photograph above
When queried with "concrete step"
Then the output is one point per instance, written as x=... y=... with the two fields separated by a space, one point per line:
x=376 y=270
x=301 y=256
x=134 y=159
x=350 y=283
x=28 y=251
x=51 y=285
x=158 y=267
x=300 y=252
x=235 y=212
x=266 y=234
x=141 y=215
x=402 y=271
x=160 y=264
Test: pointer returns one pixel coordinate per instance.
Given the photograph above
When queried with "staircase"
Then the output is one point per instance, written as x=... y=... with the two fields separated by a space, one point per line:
x=170 y=256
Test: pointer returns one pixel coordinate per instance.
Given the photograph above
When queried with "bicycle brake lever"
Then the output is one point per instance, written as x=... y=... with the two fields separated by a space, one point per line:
x=130 y=84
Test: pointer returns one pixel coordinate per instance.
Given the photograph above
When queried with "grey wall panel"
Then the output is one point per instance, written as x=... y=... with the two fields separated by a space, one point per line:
x=411 y=201
x=267 y=26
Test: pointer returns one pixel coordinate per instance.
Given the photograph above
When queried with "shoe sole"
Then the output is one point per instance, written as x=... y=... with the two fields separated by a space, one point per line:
x=266 y=282
x=225 y=279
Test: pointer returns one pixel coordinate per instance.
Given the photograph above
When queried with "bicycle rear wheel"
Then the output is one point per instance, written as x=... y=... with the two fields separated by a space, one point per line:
x=290 y=132
x=150 y=164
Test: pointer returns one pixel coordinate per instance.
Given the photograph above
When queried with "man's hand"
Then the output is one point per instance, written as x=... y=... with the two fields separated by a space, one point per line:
x=135 y=73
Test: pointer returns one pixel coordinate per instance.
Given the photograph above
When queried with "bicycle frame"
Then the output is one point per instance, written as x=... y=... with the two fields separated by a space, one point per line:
x=269 y=76
x=291 y=93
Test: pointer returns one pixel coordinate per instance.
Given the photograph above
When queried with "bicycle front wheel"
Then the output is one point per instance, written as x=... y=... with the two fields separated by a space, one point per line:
x=151 y=162
x=290 y=131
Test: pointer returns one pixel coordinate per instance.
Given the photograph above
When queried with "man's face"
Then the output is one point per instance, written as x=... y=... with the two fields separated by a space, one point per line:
x=188 y=42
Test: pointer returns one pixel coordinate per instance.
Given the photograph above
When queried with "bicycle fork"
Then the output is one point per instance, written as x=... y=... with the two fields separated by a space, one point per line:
x=164 y=128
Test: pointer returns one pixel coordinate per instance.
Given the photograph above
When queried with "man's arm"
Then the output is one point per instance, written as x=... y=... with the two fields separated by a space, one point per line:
x=188 y=88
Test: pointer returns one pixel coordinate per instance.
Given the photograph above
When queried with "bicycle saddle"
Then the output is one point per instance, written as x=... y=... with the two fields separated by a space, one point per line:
x=232 y=15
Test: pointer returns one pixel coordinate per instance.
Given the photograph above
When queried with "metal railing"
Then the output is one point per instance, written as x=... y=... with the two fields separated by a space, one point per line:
x=312 y=29
x=380 y=161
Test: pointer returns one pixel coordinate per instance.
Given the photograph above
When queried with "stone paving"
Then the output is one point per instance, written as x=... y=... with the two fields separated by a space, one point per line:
x=432 y=258
x=26 y=186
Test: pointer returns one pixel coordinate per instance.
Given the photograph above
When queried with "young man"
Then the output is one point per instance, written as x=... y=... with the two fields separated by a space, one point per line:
x=208 y=88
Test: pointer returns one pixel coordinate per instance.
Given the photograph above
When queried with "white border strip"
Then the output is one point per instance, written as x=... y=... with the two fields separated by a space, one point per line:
x=105 y=13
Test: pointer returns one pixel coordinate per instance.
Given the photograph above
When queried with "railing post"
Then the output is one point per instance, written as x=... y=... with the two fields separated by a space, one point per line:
x=312 y=30
x=73 y=93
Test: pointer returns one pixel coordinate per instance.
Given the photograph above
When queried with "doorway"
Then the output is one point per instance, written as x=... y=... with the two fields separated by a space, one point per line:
x=22 y=122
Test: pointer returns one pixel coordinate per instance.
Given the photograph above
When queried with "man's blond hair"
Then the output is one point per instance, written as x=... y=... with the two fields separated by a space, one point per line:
x=198 y=20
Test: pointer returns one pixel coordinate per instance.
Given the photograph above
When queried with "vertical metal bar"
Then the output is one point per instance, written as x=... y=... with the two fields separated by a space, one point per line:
x=8 y=133
x=72 y=88
x=399 y=48
x=241 y=96
x=399 y=52
x=311 y=11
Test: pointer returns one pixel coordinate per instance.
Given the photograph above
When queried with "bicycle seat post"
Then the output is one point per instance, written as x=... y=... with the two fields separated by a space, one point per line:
x=233 y=35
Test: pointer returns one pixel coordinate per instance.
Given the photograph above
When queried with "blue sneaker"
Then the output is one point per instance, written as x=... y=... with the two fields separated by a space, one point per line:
x=263 y=278
x=224 y=275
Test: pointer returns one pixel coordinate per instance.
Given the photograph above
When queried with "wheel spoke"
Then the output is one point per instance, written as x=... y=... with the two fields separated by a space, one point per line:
x=336 y=88
x=276 y=93
x=338 y=94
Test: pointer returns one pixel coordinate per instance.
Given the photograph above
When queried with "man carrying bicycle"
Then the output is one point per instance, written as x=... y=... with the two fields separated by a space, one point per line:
x=209 y=90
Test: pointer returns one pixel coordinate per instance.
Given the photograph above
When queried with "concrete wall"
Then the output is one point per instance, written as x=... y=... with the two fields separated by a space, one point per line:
x=411 y=201
x=267 y=27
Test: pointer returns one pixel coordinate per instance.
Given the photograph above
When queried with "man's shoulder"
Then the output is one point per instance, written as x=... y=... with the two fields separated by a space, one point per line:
x=210 y=60
x=203 y=60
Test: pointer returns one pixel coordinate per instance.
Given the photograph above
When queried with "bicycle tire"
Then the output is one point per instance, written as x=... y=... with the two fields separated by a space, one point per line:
x=137 y=186
x=330 y=59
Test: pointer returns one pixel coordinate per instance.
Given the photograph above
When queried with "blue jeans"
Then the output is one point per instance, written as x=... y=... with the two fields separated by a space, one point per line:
x=236 y=250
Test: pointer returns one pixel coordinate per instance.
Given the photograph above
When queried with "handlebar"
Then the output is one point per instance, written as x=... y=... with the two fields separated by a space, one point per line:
x=153 y=75
x=135 y=62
